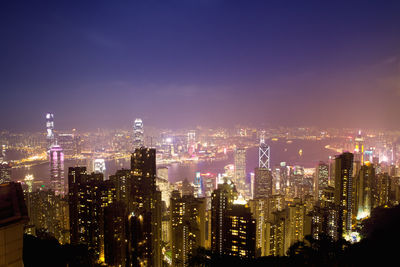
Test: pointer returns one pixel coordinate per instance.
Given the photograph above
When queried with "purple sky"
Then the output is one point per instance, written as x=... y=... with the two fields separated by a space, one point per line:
x=182 y=63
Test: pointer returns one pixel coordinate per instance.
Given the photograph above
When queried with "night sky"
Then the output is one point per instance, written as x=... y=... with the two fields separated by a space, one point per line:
x=182 y=63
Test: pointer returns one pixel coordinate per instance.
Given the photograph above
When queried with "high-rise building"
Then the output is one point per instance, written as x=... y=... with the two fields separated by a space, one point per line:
x=13 y=217
x=295 y=219
x=76 y=176
x=188 y=226
x=240 y=227
x=359 y=148
x=5 y=172
x=166 y=189
x=221 y=199
x=240 y=169
x=57 y=182
x=122 y=182
x=365 y=191
x=198 y=185
x=50 y=212
x=138 y=134
x=115 y=233
x=262 y=183
x=321 y=179
x=50 y=136
x=263 y=153
x=99 y=166
x=344 y=191
x=89 y=196
x=145 y=209
x=259 y=209
x=383 y=189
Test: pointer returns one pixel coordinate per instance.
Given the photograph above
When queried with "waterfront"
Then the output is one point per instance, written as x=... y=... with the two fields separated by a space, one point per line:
x=311 y=153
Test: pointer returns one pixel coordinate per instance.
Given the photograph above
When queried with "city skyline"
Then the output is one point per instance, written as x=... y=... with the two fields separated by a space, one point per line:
x=181 y=63
x=199 y=133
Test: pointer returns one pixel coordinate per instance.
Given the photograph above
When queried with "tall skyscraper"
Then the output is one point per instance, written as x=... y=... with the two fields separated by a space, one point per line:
x=50 y=129
x=262 y=175
x=138 y=134
x=122 y=182
x=260 y=210
x=99 y=166
x=383 y=189
x=240 y=227
x=145 y=208
x=57 y=182
x=5 y=172
x=344 y=191
x=198 y=185
x=321 y=179
x=359 y=148
x=89 y=196
x=263 y=153
x=240 y=169
x=76 y=176
x=187 y=226
x=262 y=183
x=221 y=199
x=365 y=190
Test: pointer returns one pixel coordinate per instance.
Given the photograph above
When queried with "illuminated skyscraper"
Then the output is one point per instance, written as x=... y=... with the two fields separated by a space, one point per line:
x=57 y=183
x=99 y=166
x=263 y=153
x=5 y=172
x=50 y=129
x=221 y=199
x=76 y=176
x=240 y=227
x=89 y=196
x=359 y=148
x=321 y=179
x=187 y=226
x=259 y=210
x=344 y=191
x=122 y=183
x=383 y=189
x=198 y=185
x=145 y=208
x=365 y=190
x=240 y=169
x=262 y=175
x=262 y=183
x=138 y=134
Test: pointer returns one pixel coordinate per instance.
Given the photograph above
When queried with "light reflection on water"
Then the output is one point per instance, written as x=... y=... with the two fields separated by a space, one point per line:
x=313 y=152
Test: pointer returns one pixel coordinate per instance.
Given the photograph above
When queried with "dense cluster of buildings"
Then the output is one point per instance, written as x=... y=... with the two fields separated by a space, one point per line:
x=136 y=217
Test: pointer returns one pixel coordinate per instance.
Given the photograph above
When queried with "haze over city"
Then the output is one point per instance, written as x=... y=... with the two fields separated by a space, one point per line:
x=188 y=63
x=199 y=133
